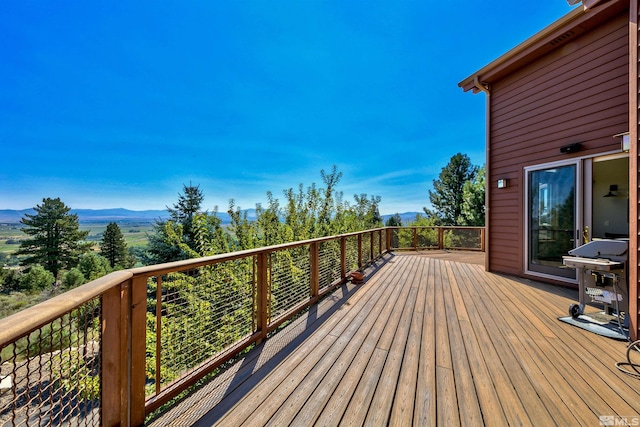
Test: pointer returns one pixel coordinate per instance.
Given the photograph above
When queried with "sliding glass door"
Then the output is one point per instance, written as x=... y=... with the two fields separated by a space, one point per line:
x=553 y=218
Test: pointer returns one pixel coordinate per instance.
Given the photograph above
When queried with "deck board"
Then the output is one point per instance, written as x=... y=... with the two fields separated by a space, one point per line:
x=424 y=341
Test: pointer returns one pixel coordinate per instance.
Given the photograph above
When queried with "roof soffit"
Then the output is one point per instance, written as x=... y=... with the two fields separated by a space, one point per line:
x=567 y=28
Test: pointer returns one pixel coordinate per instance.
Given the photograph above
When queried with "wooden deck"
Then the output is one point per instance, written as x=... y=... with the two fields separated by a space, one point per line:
x=424 y=341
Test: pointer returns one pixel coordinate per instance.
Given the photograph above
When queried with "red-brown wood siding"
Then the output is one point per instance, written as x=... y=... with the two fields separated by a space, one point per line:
x=576 y=93
x=634 y=172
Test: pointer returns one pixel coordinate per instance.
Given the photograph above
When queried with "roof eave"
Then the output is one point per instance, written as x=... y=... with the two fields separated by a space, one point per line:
x=575 y=22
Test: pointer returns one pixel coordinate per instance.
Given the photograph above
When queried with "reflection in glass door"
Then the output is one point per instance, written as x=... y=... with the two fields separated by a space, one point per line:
x=551 y=222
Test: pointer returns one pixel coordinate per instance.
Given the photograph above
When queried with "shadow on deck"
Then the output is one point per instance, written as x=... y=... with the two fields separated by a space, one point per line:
x=426 y=340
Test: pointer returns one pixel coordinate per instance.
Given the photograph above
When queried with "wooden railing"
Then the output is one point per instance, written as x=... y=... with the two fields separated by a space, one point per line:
x=457 y=238
x=114 y=350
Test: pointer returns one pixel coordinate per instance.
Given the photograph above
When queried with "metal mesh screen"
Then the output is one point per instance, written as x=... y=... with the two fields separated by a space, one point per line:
x=395 y=238
x=52 y=375
x=329 y=263
x=376 y=243
x=352 y=253
x=366 y=248
x=427 y=237
x=466 y=238
x=402 y=238
x=290 y=279
x=202 y=312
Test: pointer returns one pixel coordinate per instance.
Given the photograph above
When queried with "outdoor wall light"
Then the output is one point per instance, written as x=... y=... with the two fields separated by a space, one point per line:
x=625 y=140
x=502 y=183
x=571 y=148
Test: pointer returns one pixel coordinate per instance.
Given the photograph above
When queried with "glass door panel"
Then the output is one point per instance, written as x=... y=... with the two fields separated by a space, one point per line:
x=552 y=225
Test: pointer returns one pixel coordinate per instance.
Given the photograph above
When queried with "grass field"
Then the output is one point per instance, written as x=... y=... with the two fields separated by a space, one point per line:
x=134 y=233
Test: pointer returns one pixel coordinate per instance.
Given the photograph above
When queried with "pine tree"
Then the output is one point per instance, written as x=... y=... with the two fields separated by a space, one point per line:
x=447 y=194
x=473 y=205
x=113 y=247
x=57 y=241
x=183 y=212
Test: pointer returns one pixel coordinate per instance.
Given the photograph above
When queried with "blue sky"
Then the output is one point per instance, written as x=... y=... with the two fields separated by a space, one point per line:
x=118 y=104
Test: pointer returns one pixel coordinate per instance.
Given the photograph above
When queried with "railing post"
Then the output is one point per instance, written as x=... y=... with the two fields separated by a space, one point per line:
x=343 y=257
x=138 y=349
x=371 y=246
x=359 y=250
x=379 y=242
x=262 y=295
x=314 y=255
x=415 y=238
x=482 y=239
x=389 y=233
x=113 y=349
x=440 y=238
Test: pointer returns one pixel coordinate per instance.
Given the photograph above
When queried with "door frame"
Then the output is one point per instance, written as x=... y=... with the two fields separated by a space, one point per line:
x=579 y=214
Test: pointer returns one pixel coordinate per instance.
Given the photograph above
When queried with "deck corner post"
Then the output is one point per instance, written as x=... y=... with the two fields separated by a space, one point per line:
x=113 y=352
x=138 y=349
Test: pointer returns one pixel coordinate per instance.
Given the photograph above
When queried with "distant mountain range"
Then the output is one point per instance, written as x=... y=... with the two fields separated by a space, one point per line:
x=125 y=215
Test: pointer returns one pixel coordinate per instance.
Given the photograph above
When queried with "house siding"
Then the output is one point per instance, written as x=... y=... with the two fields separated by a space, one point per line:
x=576 y=93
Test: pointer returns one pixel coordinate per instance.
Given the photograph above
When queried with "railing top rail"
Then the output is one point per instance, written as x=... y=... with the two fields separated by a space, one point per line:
x=32 y=318
x=187 y=264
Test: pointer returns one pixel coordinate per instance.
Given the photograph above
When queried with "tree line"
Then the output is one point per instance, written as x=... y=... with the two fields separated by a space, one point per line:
x=57 y=257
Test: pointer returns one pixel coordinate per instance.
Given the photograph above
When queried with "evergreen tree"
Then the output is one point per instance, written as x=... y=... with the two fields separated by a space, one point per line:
x=72 y=278
x=185 y=209
x=473 y=206
x=113 y=247
x=36 y=279
x=57 y=241
x=93 y=266
x=394 y=221
x=447 y=194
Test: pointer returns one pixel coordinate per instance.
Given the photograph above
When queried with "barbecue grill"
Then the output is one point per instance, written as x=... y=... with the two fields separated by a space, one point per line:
x=601 y=267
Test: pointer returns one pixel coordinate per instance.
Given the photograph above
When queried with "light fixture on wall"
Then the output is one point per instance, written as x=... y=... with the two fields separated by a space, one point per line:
x=625 y=140
x=613 y=191
x=571 y=148
x=502 y=183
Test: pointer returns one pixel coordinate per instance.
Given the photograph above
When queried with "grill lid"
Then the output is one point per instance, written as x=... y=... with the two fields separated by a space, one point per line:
x=602 y=248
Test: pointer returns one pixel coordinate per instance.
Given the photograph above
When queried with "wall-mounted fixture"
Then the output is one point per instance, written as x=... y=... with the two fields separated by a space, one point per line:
x=571 y=148
x=502 y=183
x=625 y=140
x=613 y=191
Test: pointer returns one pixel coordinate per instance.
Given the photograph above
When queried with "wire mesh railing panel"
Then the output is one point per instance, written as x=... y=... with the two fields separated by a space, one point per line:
x=467 y=238
x=376 y=243
x=394 y=237
x=427 y=237
x=351 y=256
x=202 y=312
x=290 y=279
x=366 y=248
x=52 y=375
x=403 y=238
x=328 y=263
